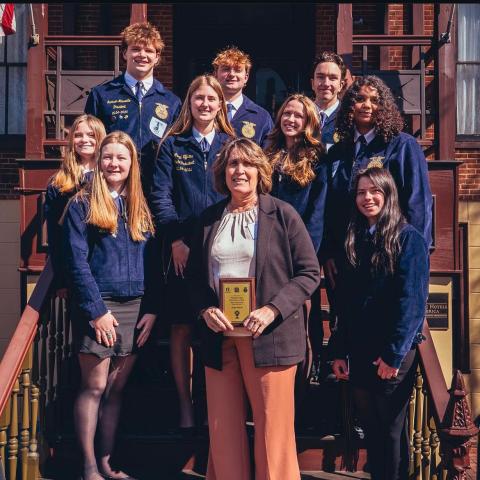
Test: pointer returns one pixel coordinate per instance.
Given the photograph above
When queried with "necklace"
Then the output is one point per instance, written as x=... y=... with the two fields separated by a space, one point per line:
x=250 y=206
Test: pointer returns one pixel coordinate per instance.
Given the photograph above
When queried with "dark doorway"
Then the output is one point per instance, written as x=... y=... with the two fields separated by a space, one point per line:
x=279 y=38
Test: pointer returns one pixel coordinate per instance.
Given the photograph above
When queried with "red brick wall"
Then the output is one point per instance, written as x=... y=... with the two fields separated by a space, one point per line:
x=399 y=23
x=469 y=181
x=428 y=12
x=161 y=15
x=55 y=18
x=325 y=31
x=366 y=20
x=120 y=17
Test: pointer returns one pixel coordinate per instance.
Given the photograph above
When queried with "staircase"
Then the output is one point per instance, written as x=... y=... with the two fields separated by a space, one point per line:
x=148 y=446
x=39 y=377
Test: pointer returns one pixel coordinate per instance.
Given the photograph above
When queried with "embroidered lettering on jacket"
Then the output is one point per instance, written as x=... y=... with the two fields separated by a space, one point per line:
x=183 y=162
x=119 y=100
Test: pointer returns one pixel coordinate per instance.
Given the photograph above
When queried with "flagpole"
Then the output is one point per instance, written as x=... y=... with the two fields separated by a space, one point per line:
x=34 y=38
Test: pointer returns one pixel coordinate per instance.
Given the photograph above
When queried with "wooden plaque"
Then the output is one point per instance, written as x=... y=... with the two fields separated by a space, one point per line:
x=237 y=298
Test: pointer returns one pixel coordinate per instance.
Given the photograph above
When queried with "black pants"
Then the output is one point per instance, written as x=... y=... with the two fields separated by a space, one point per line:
x=382 y=410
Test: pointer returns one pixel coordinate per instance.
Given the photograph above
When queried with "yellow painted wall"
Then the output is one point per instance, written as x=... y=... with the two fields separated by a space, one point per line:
x=470 y=212
x=9 y=275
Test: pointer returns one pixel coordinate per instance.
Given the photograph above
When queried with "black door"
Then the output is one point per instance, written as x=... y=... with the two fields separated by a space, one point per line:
x=278 y=37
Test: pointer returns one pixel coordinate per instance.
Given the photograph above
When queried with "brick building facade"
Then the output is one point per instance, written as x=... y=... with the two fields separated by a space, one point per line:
x=368 y=18
x=311 y=28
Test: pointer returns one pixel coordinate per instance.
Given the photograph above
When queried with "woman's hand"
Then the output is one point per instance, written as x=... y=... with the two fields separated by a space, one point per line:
x=180 y=253
x=260 y=319
x=216 y=320
x=340 y=369
x=104 y=329
x=384 y=371
x=330 y=270
x=145 y=326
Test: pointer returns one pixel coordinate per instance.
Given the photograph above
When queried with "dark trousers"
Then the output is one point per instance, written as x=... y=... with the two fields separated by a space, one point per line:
x=382 y=410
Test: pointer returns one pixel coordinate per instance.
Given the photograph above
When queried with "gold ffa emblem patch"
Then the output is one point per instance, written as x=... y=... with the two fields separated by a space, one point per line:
x=161 y=111
x=336 y=137
x=375 y=162
x=248 y=129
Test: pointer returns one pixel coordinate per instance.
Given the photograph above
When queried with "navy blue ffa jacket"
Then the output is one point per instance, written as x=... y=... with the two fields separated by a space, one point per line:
x=55 y=203
x=252 y=121
x=101 y=265
x=406 y=162
x=380 y=314
x=308 y=201
x=183 y=183
x=117 y=107
x=328 y=128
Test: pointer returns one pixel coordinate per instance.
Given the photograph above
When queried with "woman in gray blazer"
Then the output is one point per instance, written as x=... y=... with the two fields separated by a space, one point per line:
x=251 y=234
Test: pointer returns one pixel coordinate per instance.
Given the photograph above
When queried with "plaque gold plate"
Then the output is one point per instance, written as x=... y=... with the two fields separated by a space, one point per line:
x=237 y=298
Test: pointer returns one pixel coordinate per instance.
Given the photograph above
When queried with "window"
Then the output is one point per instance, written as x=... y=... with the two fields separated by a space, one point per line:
x=468 y=69
x=13 y=74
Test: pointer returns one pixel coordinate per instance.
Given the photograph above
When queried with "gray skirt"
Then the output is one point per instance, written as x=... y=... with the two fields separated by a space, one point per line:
x=127 y=313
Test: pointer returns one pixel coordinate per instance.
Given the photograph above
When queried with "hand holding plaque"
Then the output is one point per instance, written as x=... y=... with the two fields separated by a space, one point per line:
x=237 y=298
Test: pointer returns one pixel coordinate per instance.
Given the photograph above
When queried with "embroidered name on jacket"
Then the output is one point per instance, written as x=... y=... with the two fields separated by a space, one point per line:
x=183 y=162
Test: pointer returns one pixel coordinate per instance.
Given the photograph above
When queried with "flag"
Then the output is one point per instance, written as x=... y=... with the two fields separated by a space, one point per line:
x=7 y=19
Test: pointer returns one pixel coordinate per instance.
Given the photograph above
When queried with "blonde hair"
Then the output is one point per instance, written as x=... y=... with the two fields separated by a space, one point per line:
x=298 y=161
x=248 y=151
x=142 y=34
x=232 y=57
x=184 y=121
x=102 y=211
x=70 y=174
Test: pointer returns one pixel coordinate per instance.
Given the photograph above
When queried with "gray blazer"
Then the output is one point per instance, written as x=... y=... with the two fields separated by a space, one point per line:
x=287 y=273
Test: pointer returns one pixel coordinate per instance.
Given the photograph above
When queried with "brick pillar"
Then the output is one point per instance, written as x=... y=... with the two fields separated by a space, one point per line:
x=161 y=15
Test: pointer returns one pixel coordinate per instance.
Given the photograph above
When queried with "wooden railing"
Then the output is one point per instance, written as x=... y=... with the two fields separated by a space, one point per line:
x=439 y=420
x=21 y=392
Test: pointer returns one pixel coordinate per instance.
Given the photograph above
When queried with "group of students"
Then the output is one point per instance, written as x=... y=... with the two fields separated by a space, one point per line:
x=132 y=204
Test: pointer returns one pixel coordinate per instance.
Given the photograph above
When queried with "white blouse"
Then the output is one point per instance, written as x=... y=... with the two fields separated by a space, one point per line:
x=233 y=252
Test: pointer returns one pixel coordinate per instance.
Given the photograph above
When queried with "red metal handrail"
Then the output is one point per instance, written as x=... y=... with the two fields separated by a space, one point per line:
x=389 y=40
x=23 y=336
x=433 y=376
x=83 y=40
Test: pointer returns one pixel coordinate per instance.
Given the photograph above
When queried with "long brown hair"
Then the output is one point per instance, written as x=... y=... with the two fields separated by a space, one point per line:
x=102 y=211
x=298 y=161
x=389 y=224
x=70 y=174
x=184 y=121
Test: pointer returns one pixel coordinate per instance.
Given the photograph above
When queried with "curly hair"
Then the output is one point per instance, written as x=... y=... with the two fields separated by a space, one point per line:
x=388 y=120
x=232 y=57
x=298 y=161
x=142 y=34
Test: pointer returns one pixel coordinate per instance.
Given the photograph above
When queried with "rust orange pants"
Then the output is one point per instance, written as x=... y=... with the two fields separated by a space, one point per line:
x=270 y=391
